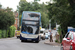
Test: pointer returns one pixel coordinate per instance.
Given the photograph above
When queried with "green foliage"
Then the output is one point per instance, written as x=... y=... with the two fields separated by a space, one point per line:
x=72 y=3
x=12 y=31
x=36 y=0
x=6 y=18
x=61 y=12
x=2 y=33
x=45 y=20
x=57 y=41
x=0 y=6
x=59 y=30
x=8 y=33
x=20 y=19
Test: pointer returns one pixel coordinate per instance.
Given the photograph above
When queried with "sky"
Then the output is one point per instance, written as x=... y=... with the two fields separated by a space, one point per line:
x=13 y=3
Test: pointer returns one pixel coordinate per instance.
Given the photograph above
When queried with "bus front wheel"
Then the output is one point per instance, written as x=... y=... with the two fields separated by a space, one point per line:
x=37 y=41
x=22 y=40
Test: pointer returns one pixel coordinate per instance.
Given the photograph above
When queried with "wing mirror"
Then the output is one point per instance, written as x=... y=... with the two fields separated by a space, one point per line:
x=68 y=38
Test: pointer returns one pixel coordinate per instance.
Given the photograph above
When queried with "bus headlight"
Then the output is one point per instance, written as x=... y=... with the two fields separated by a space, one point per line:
x=36 y=36
x=23 y=35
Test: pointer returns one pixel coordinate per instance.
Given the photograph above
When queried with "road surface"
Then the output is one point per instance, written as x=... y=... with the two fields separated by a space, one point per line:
x=16 y=44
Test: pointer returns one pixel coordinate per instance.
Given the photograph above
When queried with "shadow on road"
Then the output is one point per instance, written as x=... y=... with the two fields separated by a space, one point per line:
x=28 y=42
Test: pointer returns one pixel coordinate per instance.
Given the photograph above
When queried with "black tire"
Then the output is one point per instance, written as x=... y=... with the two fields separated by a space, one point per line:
x=17 y=37
x=36 y=41
x=71 y=48
x=39 y=38
x=22 y=40
x=61 y=47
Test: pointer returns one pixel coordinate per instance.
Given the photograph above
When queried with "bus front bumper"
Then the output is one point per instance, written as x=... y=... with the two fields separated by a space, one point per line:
x=29 y=39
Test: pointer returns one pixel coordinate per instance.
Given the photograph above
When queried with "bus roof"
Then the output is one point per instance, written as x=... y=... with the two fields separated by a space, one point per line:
x=31 y=12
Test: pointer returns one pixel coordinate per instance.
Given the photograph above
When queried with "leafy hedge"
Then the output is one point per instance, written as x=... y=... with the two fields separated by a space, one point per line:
x=8 y=33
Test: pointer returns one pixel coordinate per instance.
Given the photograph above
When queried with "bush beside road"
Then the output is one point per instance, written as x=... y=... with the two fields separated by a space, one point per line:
x=8 y=33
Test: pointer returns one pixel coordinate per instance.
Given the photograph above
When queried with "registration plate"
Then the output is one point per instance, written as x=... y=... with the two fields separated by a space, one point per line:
x=29 y=39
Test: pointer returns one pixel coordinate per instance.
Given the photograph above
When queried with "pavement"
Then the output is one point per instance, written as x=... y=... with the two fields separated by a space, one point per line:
x=52 y=43
x=54 y=38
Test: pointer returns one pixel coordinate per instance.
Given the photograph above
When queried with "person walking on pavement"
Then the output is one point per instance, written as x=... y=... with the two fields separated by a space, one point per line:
x=51 y=39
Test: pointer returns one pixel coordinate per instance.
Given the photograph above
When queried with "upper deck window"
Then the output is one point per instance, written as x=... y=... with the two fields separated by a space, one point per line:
x=33 y=15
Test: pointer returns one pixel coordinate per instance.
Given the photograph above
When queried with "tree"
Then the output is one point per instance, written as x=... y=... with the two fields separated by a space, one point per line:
x=36 y=0
x=0 y=6
x=24 y=6
x=44 y=20
x=6 y=18
x=62 y=12
x=72 y=3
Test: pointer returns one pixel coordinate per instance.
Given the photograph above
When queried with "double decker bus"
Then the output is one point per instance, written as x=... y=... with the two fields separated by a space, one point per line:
x=30 y=26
